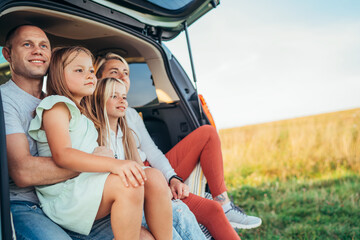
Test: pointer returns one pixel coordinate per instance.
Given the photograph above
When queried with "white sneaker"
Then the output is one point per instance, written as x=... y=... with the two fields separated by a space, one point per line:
x=238 y=218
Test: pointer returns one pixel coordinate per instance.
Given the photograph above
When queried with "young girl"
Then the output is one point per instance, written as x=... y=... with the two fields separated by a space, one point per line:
x=109 y=106
x=107 y=185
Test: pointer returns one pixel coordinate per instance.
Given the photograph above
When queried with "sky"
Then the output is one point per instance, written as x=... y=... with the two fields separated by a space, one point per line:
x=261 y=61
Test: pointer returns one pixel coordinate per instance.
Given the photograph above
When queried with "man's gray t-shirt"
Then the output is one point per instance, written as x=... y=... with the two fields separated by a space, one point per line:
x=19 y=108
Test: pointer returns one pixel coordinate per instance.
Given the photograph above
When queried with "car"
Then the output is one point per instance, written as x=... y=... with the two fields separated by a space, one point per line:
x=136 y=29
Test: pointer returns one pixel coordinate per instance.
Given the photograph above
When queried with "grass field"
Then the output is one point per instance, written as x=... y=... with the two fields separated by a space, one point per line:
x=301 y=176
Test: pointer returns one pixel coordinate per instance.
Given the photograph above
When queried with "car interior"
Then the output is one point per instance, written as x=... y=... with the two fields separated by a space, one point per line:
x=154 y=93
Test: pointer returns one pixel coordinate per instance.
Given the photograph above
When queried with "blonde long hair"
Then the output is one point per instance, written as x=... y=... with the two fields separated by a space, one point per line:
x=56 y=84
x=103 y=92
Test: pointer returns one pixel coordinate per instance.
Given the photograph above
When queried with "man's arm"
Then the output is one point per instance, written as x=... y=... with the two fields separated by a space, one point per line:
x=26 y=170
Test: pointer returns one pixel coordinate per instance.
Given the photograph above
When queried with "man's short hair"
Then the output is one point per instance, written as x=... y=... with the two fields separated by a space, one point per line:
x=11 y=33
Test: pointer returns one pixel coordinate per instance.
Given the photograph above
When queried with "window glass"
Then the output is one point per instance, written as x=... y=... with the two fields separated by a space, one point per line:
x=171 y=5
x=142 y=90
x=4 y=69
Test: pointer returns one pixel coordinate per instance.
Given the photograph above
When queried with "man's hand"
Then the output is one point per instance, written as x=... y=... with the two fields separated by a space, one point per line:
x=179 y=190
x=103 y=151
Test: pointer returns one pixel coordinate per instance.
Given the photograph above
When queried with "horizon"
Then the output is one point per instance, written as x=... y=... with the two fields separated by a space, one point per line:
x=294 y=118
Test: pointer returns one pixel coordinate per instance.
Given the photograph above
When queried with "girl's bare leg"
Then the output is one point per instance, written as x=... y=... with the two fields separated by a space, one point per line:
x=145 y=234
x=125 y=205
x=157 y=206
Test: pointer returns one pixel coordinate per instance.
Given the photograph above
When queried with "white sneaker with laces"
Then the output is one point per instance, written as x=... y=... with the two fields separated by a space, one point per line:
x=239 y=219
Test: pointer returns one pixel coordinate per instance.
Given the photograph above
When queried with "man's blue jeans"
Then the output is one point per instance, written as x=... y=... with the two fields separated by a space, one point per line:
x=31 y=223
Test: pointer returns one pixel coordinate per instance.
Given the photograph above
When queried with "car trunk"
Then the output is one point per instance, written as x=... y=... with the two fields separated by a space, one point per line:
x=169 y=103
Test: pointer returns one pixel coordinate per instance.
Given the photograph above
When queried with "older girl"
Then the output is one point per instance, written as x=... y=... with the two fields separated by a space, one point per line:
x=63 y=130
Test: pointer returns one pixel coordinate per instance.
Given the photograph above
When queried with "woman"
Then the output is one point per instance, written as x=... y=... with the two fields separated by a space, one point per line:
x=203 y=145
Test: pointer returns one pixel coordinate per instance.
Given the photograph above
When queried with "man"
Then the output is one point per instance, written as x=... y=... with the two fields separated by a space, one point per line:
x=28 y=51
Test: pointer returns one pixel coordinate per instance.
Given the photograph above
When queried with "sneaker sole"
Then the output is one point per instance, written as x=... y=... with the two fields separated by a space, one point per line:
x=241 y=226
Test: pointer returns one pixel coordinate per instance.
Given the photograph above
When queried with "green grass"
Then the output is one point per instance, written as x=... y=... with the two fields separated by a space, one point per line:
x=321 y=209
x=301 y=176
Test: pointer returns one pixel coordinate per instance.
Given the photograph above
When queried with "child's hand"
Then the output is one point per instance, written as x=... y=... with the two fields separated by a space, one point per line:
x=179 y=190
x=103 y=151
x=130 y=172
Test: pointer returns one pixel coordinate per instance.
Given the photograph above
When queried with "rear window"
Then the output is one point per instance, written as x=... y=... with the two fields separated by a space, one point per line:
x=171 y=5
x=142 y=90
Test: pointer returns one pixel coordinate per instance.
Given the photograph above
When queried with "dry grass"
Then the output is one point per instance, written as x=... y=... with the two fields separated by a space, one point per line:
x=315 y=147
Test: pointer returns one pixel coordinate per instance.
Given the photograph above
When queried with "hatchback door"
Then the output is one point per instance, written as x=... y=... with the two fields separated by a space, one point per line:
x=162 y=19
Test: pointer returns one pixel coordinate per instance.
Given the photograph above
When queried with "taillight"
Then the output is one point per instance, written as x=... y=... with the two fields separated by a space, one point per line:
x=206 y=110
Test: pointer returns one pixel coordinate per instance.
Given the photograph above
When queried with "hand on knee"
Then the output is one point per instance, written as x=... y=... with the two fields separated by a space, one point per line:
x=156 y=181
x=115 y=187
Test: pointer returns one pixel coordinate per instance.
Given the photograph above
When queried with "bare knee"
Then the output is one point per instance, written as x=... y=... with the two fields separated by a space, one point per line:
x=116 y=188
x=155 y=183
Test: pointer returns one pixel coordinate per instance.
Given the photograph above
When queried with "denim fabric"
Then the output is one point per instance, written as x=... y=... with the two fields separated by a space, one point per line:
x=185 y=225
x=31 y=223
x=185 y=222
x=101 y=230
